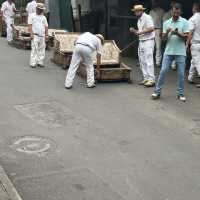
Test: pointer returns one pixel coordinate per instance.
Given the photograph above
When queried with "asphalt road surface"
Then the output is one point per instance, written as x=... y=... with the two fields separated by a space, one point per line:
x=111 y=143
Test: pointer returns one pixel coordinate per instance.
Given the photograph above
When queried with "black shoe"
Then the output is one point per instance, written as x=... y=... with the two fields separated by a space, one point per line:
x=41 y=66
x=191 y=82
x=33 y=66
x=68 y=88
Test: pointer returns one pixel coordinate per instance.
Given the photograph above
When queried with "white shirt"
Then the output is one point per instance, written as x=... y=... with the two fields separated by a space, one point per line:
x=31 y=7
x=157 y=15
x=8 y=9
x=194 y=25
x=38 y=22
x=144 y=22
x=90 y=40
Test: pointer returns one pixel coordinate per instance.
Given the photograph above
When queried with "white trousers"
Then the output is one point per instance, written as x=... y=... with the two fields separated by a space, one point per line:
x=9 y=29
x=145 y=53
x=38 y=46
x=81 y=55
x=158 y=43
x=195 y=62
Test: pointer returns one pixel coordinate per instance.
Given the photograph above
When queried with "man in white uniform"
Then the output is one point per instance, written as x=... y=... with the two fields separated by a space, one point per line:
x=38 y=28
x=157 y=14
x=31 y=8
x=8 y=11
x=194 y=41
x=85 y=46
x=146 y=36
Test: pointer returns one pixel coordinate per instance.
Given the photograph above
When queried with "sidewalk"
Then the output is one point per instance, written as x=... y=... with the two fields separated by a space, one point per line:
x=7 y=190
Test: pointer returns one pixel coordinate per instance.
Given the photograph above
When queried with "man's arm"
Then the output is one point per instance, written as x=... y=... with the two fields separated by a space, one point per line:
x=183 y=36
x=30 y=30
x=14 y=8
x=191 y=30
x=190 y=35
x=46 y=32
x=147 y=30
x=165 y=34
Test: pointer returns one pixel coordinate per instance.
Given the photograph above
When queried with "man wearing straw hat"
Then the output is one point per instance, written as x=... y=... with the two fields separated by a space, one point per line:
x=146 y=36
x=85 y=46
x=38 y=28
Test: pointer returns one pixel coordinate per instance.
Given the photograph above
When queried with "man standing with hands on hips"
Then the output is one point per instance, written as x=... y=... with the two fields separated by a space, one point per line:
x=38 y=28
x=146 y=36
x=175 y=32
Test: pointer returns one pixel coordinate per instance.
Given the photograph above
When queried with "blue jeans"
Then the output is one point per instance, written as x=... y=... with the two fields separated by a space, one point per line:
x=166 y=64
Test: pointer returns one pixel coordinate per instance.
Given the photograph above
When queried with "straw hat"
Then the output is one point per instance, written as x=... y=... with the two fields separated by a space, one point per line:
x=101 y=37
x=138 y=8
x=40 y=6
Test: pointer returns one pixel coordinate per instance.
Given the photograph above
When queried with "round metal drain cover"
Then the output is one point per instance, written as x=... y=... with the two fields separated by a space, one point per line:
x=33 y=145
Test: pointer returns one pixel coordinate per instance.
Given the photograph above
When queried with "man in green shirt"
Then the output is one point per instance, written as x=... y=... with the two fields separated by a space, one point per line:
x=175 y=33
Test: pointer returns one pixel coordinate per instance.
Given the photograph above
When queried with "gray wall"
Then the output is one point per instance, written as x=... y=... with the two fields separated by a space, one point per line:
x=54 y=21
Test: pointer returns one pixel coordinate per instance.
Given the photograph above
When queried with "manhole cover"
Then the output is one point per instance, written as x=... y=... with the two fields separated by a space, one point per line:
x=32 y=145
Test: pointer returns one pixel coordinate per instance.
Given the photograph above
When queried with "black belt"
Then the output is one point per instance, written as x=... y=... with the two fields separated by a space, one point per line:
x=196 y=42
x=38 y=35
x=86 y=45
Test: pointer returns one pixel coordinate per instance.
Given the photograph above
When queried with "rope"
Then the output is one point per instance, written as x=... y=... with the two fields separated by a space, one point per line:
x=129 y=45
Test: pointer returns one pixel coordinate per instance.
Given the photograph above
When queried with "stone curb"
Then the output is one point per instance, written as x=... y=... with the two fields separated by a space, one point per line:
x=7 y=189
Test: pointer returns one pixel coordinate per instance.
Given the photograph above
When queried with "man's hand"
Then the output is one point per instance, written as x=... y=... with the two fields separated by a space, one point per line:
x=175 y=32
x=169 y=30
x=184 y=36
x=32 y=36
x=46 y=38
x=98 y=73
x=133 y=30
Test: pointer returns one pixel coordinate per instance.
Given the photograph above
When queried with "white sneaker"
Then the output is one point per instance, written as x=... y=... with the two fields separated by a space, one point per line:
x=182 y=98
x=155 y=96
x=91 y=86
x=190 y=80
